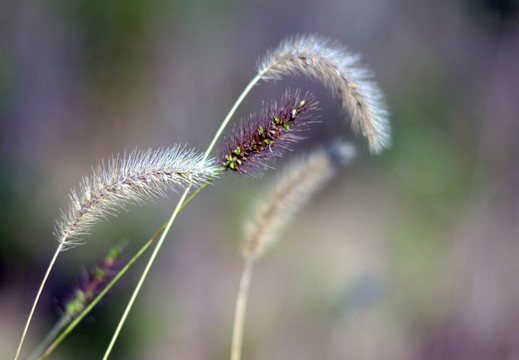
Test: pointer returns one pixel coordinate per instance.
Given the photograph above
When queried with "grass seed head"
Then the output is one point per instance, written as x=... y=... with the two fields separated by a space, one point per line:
x=269 y=134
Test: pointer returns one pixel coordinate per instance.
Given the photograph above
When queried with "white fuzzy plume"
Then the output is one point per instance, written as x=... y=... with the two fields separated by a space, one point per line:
x=134 y=179
x=337 y=69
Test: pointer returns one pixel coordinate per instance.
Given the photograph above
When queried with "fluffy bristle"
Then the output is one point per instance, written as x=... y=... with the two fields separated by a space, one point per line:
x=338 y=70
x=268 y=135
x=135 y=179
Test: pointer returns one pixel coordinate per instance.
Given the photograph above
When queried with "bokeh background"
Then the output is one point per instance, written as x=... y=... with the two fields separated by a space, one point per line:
x=410 y=255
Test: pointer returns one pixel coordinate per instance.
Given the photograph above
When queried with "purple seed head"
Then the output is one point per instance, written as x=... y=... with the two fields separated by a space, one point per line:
x=269 y=134
x=95 y=280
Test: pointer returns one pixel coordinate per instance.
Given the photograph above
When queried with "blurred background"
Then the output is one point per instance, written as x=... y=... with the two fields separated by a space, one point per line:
x=410 y=255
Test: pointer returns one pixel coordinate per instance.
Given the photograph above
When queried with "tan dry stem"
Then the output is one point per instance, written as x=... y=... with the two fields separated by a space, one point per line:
x=240 y=309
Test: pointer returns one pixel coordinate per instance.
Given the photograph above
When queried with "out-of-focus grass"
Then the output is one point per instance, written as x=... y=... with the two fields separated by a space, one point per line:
x=405 y=253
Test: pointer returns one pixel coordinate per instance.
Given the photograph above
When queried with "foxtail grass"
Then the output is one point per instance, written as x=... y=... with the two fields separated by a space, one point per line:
x=116 y=278
x=273 y=210
x=268 y=135
x=121 y=181
x=130 y=180
x=336 y=68
x=91 y=284
x=145 y=175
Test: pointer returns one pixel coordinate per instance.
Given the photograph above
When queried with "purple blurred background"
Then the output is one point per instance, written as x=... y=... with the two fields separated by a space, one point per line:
x=410 y=255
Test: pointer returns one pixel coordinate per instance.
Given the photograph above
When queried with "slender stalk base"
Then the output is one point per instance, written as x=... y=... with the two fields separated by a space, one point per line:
x=60 y=325
x=164 y=230
x=178 y=208
x=145 y=272
x=241 y=306
x=37 y=298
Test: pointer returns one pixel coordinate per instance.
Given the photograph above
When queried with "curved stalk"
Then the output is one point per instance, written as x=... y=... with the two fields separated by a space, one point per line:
x=98 y=298
x=180 y=206
x=144 y=274
x=177 y=210
x=220 y=130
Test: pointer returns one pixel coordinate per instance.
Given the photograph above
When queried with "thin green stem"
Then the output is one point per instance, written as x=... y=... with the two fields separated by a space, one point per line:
x=241 y=306
x=145 y=273
x=117 y=277
x=37 y=298
x=200 y=189
x=175 y=213
x=231 y=113
x=179 y=206
x=60 y=325
x=99 y=297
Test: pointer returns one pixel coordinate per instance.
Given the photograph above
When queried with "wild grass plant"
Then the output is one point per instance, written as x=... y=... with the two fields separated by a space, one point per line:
x=141 y=176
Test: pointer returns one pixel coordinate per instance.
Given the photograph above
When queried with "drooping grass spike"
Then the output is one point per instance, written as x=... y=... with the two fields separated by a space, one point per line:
x=337 y=69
